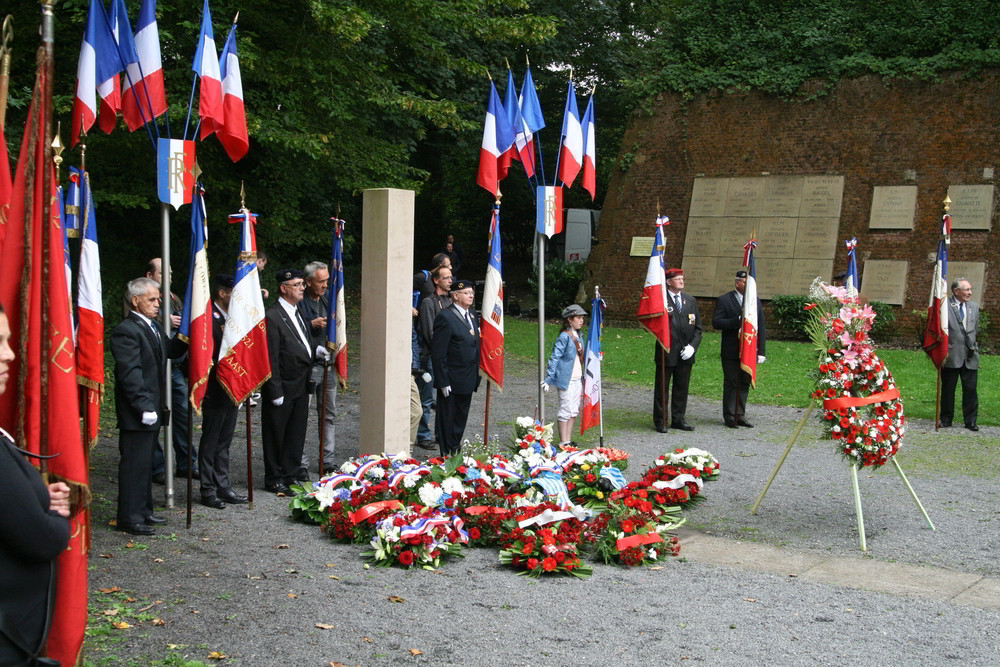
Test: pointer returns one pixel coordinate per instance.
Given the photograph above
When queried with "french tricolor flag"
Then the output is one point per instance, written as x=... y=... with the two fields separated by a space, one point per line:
x=497 y=139
x=589 y=150
x=96 y=39
x=206 y=66
x=90 y=312
x=144 y=96
x=491 y=341
x=233 y=134
x=122 y=52
x=522 y=148
x=549 y=210
x=571 y=142
x=196 y=319
x=175 y=161
x=336 y=317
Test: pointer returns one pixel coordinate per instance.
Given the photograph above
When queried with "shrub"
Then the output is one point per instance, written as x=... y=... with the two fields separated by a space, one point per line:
x=562 y=280
x=791 y=315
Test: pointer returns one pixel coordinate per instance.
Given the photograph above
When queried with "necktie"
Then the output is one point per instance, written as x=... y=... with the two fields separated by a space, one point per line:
x=961 y=313
x=468 y=320
x=677 y=300
x=156 y=333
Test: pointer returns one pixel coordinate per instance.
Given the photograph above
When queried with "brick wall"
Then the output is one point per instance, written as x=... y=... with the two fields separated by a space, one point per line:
x=870 y=131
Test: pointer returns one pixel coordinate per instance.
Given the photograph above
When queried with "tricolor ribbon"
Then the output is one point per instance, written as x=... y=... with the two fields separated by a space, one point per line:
x=751 y=244
x=422 y=526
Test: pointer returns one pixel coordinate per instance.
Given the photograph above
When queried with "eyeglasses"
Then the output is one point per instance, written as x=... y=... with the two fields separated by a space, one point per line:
x=298 y=284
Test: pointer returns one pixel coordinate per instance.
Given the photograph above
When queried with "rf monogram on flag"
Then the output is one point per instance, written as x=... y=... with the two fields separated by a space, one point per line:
x=176 y=171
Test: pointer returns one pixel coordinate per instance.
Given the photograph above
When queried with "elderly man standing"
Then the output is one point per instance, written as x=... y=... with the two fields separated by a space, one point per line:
x=430 y=306
x=285 y=412
x=455 y=356
x=140 y=350
x=963 y=356
x=728 y=318
x=314 y=308
x=675 y=366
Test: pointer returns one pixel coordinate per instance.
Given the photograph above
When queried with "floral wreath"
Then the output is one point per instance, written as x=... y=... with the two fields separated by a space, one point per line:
x=862 y=408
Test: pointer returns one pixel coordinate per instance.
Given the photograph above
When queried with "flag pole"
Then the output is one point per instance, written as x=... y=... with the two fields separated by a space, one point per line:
x=48 y=44
x=5 y=42
x=168 y=432
x=541 y=324
x=946 y=232
x=249 y=407
x=600 y=406
x=486 y=418
x=190 y=461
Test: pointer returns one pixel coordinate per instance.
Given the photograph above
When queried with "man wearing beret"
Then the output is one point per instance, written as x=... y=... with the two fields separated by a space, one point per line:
x=455 y=357
x=675 y=366
x=285 y=412
x=728 y=318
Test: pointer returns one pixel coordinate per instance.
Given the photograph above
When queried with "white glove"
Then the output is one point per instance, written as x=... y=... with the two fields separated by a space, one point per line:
x=445 y=391
x=148 y=418
x=276 y=402
x=545 y=386
x=322 y=353
x=687 y=352
x=761 y=358
x=426 y=377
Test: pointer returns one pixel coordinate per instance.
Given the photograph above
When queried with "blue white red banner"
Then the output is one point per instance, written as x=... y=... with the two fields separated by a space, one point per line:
x=591 y=412
x=175 y=171
x=491 y=341
x=196 y=319
x=336 y=317
x=549 y=209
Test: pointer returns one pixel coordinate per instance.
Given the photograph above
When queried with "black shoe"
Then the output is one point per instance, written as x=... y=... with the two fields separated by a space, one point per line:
x=154 y=520
x=682 y=426
x=232 y=497
x=302 y=475
x=195 y=474
x=972 y=427
x=945 y=424
x=744 y=422
x=277 y=488
x=136 y=529
x=661 y=429
x=213 y=502
x=160 y=478
x=730 y=424
x=425 y=444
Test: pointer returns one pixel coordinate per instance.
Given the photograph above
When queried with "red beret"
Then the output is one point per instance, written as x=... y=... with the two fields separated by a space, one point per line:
x=673 y=273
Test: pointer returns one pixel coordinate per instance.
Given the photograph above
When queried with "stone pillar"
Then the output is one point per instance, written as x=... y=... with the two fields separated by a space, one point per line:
x=386 y=320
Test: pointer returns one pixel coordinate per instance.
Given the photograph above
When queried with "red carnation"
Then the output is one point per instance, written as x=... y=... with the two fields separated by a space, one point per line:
x=474 y=533
x=549 y=564
x=406 y=558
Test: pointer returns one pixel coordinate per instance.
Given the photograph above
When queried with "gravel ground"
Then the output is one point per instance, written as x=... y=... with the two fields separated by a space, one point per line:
x=254 y=584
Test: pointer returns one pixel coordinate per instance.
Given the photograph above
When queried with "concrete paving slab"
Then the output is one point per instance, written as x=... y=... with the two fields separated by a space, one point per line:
x=892 y=578
x=984 y=594
x=751 y=556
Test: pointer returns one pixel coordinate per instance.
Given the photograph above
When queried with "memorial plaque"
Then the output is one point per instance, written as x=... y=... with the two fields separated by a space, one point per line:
x=974 y=272
x=702 y=237
x=804 y=271
x=776 y=237
x=642 y=246
x=884 y=280
x=733 y=235
x=782 y=196
x=893 y=207
x=725 y=274
x=821 y=196
x=699 y=275
x=708 y=197
x=816 y=238
x=971 y=206
x=745 y=197
x=773 y=276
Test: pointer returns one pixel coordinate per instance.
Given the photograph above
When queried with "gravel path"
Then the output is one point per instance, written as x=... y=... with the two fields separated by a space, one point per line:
x=254 y=584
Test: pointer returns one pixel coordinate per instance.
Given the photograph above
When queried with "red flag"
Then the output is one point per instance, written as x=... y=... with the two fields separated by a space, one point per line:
x=32 y=410
x=652 y=312
x=936 y=333
x=748 y=333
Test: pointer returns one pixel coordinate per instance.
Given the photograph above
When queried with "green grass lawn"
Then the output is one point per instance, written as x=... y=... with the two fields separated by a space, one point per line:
x=784 y=379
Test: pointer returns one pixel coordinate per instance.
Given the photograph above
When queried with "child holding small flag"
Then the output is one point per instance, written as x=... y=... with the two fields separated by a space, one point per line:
x=565 y=370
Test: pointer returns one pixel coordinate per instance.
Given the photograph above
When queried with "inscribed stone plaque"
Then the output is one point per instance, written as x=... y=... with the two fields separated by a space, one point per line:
x=804 y=271
x=699 y=275
x=708 y=197
x=745 y=197
x=893 y=207
x=884 y=280
x=776 y=237
x=733 y=235
x=974 y=272
x=971 y=206
x=821 y=196
x=725 y=274
x=782 y=196
x=773 y=275
x=816 y=238
x=702 y=237
x=642 y=246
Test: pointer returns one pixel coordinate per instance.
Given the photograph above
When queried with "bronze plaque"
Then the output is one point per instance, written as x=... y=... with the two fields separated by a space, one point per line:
x=699 y=275
x=725 y=274
x=971 y=206
x=702 y=237
x=782 y=196
x=733 y=235
x=642 y=246
x=974 y=272
x=745 y=197
x=821 y=196
x=776 y=237
x=804 y=271
x=708 y=197
x=884 y=280
x=816 y=238
x=773 y=275
x=893 y=207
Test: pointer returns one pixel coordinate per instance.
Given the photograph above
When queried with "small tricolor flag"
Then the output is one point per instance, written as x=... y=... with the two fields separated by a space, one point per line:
x=851 y=283
x=233 y=134
x=90 y=313
x=748 y=334
x=591 y=413
x=196 y=320
x=498 y=137
x=206 y=66
x=549 y=209
x=571 y=142
x=522 y=148
x=491 y=341
x=936 y=333
x=336 y=317
x=589 y=150
x=144 y=95
x=652 y=312
x=175 y=171
x=98 y=62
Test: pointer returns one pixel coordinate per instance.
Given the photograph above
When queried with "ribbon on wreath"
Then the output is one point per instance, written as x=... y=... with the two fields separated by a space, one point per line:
x=637 y=540
x=567 y=459
x=552 y=484
x=477 y=510
x=421 y=526
x=857 y=401
x=548 y=516
x=372 y=509
x=397 y=477
x=678 y=482
x=615 y=476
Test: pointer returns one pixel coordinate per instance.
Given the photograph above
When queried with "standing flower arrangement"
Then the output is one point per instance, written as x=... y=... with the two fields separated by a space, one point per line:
x=862 y=408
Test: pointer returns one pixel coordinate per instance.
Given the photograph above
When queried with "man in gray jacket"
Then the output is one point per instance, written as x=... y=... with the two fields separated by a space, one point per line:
x=963 y=355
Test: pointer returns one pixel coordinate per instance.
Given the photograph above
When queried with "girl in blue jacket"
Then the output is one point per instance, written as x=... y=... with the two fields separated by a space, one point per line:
x=565 y=370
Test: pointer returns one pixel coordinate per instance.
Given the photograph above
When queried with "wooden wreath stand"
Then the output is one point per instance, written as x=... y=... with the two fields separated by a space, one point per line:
x=854 y=482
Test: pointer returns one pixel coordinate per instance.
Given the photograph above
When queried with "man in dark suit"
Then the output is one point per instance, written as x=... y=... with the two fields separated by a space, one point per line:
x=963 y=356
x=219 y=421
x=728 y=318
x=314 y=308
x=139 y=348
x=455 y=357
x=675 y=366
x=286 y=394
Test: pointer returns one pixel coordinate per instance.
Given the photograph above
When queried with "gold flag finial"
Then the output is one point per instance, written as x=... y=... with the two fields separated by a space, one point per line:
x=57 y=146
x=243 y=197
x=947 y=203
